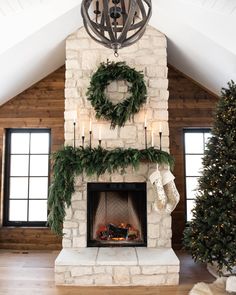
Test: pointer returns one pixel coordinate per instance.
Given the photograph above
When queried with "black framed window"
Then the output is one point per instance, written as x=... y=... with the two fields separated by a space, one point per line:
x=194 y=146
x=26 y=177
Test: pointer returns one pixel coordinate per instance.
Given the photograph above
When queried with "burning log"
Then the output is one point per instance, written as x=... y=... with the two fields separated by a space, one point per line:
x=117 y=232
x=121 y=232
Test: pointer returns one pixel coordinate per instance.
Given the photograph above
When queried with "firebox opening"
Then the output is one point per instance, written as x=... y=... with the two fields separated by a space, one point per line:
x=117 y=214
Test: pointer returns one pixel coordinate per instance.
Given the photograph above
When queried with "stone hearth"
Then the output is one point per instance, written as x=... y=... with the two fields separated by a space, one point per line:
x=157 y=263
x=117 y=267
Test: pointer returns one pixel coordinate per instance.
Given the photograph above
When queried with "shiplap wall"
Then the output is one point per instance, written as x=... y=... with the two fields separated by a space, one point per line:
x=41 y=106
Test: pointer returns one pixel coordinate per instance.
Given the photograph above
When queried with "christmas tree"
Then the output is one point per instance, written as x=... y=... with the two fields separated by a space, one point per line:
x=211 y=235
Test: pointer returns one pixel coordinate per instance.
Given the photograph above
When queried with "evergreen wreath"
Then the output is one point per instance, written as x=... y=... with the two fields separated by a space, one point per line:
x=118 y=113
x=70 y=162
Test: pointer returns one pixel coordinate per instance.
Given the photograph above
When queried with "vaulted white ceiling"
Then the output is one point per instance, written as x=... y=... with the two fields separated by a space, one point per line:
x=201 y=39
x=32 y=43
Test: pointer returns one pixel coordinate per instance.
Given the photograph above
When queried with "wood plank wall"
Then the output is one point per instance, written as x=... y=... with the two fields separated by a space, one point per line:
x=189 y=106
x=40 y=106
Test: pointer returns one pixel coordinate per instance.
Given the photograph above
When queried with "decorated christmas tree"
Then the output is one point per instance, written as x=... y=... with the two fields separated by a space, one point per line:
x=211 y=235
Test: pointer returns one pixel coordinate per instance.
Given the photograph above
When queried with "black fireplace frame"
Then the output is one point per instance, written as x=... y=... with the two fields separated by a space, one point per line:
x=93 y=187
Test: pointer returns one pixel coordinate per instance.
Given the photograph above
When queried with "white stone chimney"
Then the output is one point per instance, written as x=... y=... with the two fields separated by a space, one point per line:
x=83 y=57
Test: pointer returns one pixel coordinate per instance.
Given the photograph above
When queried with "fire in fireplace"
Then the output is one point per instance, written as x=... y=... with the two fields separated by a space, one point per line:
x=117 y=214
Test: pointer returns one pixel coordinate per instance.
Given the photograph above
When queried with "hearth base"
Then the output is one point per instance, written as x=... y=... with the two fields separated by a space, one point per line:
x=117 y=267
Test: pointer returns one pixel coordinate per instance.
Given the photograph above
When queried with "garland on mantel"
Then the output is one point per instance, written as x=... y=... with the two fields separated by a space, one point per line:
x=70 y=162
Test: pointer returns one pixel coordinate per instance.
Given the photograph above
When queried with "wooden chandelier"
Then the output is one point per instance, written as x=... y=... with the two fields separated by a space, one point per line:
x=116 y=23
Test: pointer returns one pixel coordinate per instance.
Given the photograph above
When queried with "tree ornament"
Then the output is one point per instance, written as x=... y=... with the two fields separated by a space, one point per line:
x=121 y=112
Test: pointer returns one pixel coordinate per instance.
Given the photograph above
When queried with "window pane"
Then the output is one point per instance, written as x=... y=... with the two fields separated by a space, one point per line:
x=191 y=187
x=39 y=143
x=194 y=152
x=18 y=210
x=38 y=210
x=18 y=188
x=38 y=188
x=27 y=175
x=19 y=165
x=190 y=206
x=39 y=165
x=193 y=165
x=194 y=143
x=19 y=143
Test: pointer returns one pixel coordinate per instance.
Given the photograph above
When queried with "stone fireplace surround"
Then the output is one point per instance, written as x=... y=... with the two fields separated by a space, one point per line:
x=157 y=263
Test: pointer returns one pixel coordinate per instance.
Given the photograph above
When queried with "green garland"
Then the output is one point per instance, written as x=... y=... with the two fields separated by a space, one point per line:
x=119 y=113
x=70 y=162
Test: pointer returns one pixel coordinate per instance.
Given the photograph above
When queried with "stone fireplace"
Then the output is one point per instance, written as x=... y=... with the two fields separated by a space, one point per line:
x=112 y=235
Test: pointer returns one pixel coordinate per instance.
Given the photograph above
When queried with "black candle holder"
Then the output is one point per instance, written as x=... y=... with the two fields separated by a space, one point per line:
x=145 y=135
x=83 y=137
x=74 y=123
x=90 y=139
x=160 y=136
x=100 y=142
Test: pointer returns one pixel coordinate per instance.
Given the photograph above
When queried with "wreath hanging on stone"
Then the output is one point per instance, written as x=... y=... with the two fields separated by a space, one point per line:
x=121 y=112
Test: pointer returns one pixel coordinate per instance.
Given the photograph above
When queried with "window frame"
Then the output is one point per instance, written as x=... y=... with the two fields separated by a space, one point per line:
x=6 y=198
x=191 y=130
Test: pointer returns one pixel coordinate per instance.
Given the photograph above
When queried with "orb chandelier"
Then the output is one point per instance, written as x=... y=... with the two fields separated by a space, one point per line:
x=116 y=23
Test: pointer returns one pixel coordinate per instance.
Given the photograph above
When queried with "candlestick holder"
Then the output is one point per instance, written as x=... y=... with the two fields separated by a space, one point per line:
x=83 y=137
x=100 y=142
x=90 y=139
x=160 y=136
x=74 y=123
x=145 y=136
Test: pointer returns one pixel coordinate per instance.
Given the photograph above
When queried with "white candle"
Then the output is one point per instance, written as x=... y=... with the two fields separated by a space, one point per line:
x=100 y=133
x=152 y=138
x=145 y=120
x=83 y=130
x=90 y=125
x=160 y=127
x=74 y=121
